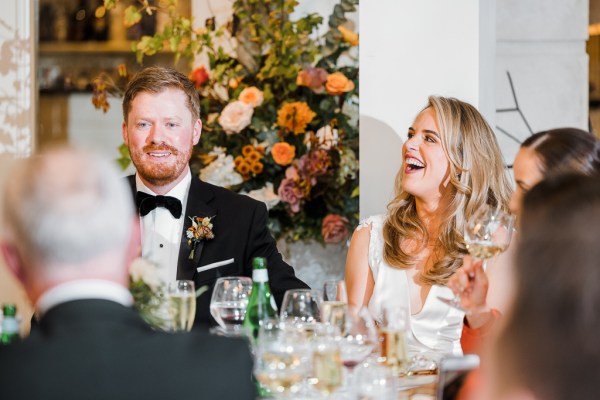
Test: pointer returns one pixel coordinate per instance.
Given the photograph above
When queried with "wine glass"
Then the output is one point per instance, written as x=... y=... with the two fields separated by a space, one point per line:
x=358 y=339
x=394 y=347
x=327 y=375
x=335 y=303
x=302 y=307
x=487 y=233
x=229 y=301
x=182 y=299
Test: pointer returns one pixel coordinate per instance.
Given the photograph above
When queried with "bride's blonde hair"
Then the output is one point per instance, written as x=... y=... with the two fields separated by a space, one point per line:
x=477 y=177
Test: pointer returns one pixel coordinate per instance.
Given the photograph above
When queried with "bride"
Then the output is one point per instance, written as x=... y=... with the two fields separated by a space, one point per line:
x=451 y=167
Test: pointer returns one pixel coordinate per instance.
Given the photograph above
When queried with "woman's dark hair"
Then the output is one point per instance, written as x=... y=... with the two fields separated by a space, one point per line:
x=549 y=344
x=566 y=150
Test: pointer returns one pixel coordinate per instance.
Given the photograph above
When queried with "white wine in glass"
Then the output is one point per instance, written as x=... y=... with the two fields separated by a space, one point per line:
x=487 y=233
x=182 y=298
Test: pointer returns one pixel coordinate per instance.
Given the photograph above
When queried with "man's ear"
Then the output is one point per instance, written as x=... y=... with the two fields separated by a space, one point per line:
x=13 y=260
x=197 y=132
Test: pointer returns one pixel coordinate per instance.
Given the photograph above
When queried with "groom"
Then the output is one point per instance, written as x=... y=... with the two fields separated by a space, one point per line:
x=161 y=126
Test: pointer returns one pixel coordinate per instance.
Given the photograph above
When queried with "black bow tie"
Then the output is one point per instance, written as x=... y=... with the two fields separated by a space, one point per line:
x=146 y=203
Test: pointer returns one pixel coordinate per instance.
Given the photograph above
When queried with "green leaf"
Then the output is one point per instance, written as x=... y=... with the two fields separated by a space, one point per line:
x=132 y=16
x=355 y=192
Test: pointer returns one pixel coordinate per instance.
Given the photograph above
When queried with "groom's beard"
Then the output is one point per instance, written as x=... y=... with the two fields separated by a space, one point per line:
x=160 y=171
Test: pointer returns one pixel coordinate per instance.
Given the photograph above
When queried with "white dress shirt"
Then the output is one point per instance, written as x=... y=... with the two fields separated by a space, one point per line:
x=82 y=289
x=161 y=232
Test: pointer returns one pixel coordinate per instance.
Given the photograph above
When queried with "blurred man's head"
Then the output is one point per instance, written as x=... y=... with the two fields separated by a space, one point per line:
x=66 y=213
x=549 y=347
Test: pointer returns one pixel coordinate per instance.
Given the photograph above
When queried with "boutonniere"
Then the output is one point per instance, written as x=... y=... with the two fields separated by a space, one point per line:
x=201 y=229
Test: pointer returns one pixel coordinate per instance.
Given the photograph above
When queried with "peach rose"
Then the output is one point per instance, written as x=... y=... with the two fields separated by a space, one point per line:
x=283 y=153
x=294 y=116
x=235 y=117
x=252 y=95
x=337 y=83
x=334 y=228
x=348 y=36
x=199 y=76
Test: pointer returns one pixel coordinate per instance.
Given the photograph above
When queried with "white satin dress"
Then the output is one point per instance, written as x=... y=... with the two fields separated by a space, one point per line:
x=436 y=328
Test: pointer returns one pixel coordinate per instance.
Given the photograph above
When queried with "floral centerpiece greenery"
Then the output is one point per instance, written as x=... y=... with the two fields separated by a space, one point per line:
x=150 y=294
x=279 y=108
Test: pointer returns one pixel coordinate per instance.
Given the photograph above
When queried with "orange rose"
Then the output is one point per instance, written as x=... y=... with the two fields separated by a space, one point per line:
x=348 y=36
x=252 y=95
x=337 y=83
x=283 y=153
x=294 y=117
x=199 y=76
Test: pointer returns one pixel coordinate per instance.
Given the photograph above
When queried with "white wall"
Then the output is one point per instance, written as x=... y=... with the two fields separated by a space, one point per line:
x=542 y=44
x=408 y=51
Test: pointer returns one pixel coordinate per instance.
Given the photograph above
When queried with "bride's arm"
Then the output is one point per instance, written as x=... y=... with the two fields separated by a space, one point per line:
x=359 y=279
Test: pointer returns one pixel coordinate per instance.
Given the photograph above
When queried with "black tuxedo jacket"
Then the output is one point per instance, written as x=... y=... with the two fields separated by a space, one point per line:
x=99 y=350
x=241 y=233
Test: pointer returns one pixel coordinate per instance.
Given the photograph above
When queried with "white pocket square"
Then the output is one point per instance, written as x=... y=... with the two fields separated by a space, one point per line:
x=215 y=265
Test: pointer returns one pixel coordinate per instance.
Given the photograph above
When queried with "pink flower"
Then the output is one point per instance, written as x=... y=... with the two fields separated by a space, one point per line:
x=290 y=193
x=313 y=78
x=334 y=228
x=236 y=116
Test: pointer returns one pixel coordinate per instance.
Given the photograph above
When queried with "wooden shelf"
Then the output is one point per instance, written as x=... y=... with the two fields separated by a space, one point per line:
x=50 y=48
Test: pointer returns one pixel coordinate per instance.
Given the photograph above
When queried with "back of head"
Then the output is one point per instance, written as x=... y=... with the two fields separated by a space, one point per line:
x=549 y=344
x=66 y=207
x=156 y=80
x=566 y=150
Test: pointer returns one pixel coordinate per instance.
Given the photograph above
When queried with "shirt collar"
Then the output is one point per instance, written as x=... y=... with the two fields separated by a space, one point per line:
x=83 y=289
x=179 y=191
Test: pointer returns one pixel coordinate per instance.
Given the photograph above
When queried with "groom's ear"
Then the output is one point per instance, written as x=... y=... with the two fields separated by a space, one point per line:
x=13 y=260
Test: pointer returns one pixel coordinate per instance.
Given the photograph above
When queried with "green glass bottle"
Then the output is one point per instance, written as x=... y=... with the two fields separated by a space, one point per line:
x=261 y=305
x=10 y=325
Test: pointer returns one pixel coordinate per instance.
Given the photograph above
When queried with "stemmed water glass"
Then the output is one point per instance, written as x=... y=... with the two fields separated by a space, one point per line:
x=302 y=307
x=358 y=339
x=229 y=301
x=335 y=303
x=282 y=359
x=486 y=234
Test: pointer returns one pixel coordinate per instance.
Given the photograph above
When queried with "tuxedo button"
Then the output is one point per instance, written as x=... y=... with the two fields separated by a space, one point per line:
x=161 y=245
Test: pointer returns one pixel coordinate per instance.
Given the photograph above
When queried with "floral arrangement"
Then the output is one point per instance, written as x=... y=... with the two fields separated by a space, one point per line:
x=279 y=107
x=150 y=294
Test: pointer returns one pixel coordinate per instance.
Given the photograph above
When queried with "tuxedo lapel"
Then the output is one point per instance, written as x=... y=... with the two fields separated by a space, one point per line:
x=197 y=206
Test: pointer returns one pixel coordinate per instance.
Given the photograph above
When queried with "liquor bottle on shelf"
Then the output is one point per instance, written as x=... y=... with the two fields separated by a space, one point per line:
x=80 y=22
x=10 y=325
x=100 y=22
x=261 y=305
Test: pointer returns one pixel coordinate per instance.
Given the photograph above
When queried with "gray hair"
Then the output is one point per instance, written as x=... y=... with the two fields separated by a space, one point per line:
x=67 y=206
